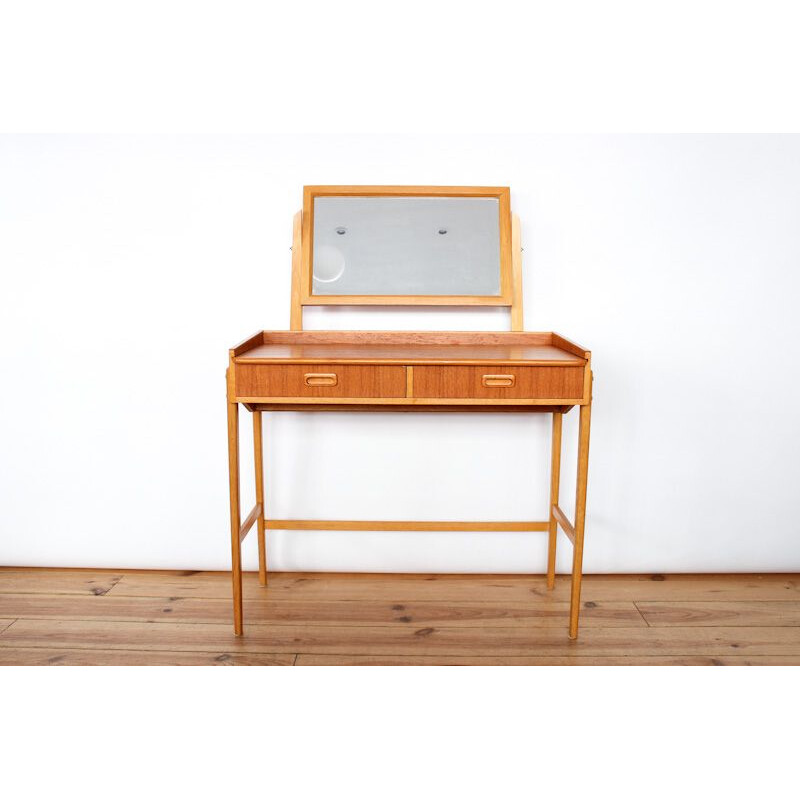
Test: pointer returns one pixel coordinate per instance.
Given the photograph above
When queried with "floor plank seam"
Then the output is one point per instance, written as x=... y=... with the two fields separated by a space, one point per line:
x=478 y=624
x=488 y=654
x=582 y=661
x=286 y=597
x=82 y=593
x=105 y=647
x=372 y=625
x=730 y=601
x=560 y=656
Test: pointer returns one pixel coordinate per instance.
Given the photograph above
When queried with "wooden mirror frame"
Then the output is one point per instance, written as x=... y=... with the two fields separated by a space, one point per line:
x=305 y=277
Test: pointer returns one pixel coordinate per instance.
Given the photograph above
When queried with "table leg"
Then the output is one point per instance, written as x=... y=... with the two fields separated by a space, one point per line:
x=259 y=462
x=555 y=478
x=236 y=521
x=580 y=518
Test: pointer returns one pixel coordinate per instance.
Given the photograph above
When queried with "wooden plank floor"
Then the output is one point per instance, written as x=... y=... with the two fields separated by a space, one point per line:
x=82 y=617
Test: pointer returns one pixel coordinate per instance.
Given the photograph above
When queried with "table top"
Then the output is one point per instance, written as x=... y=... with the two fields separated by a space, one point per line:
x=423 y=347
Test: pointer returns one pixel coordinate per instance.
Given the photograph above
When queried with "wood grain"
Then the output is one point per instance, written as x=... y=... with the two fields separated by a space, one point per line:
x=260 y=403
x=258 y=462
x=361 y=368
x=557 y=340
x=517 y=315
x=566 y=526
x=57 y=581
x=307 y=660
x=295 y=306
x=580 y=518
x=267 y=610
x=468 y=381
x=254 y=340
x=350 y=380
x=427 y=353
x=555 y=482
x=183 y=617
x=456 y=588
x=399 y=525
x=721 y=614
x=425 y=338
x=343 y=586
x=63 y=657
x=407 y=640
x=470 y=406
x=250 y=519
x=235 y=511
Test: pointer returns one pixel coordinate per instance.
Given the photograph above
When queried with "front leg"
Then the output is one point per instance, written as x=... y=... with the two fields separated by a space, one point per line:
x=580 y=518
x=236 y=521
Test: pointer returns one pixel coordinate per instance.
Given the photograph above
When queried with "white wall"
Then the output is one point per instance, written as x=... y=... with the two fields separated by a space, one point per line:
x=130 y=265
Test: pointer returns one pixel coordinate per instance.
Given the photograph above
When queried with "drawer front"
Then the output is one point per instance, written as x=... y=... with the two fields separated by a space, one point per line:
x=498 y=382
x=319 y=380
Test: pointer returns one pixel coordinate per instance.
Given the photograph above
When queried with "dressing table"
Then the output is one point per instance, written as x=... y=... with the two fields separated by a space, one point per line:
x=408 y=246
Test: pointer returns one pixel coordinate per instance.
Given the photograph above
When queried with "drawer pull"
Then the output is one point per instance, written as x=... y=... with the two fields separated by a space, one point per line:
x=493 y=381
x=321 y=379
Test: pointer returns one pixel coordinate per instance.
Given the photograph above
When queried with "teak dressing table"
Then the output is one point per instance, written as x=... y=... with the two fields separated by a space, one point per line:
x=408 y=246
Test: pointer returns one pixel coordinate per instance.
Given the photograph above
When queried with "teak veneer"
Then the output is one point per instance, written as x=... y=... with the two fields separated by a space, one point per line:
x=409 y=371
x=420 y=368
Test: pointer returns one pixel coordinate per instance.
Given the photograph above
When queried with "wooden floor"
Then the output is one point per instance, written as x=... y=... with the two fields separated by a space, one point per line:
x=55 y=616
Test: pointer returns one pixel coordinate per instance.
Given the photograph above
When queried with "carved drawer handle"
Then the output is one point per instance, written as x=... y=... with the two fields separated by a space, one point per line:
x=321 y=379
x=494 y=381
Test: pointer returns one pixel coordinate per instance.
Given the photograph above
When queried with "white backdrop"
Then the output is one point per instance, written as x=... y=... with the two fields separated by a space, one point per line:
x=130 y=265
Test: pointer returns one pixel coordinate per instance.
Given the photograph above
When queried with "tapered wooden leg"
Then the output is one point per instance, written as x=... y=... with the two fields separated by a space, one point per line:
x=258 y=449
x=580 y=519
x=236 y=522
x=555 y=479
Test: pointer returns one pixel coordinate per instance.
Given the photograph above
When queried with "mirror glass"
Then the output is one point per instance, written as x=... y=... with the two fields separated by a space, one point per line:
x=406 y=246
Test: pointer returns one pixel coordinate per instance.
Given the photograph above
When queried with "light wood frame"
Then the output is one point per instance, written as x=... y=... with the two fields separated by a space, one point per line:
x=573 y=531
x=306 y=297
x=511 y=272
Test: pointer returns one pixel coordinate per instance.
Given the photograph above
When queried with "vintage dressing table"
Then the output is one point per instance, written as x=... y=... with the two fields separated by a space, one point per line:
x=408 y=246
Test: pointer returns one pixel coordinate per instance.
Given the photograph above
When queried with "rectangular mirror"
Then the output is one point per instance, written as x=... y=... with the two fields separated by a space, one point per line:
x=421 y=242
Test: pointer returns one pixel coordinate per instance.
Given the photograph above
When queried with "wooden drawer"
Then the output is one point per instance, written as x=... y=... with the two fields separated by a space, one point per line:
x=499 y=382
x=319 y=380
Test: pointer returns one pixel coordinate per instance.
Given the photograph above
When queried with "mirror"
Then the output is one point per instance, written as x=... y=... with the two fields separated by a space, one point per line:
x=406 y=245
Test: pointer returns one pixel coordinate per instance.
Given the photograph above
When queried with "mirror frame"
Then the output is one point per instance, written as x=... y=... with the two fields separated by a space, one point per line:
x=502 y=193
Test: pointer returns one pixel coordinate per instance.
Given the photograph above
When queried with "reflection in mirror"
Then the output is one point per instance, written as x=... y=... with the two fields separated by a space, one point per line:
x=406 y=246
